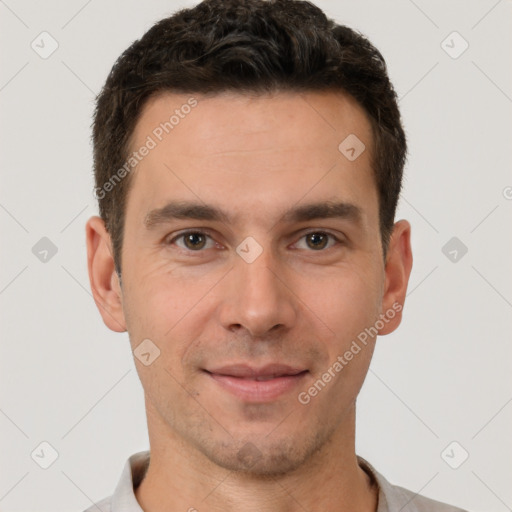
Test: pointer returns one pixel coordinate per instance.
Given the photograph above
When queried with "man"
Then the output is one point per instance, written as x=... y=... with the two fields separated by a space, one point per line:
x=248 y=161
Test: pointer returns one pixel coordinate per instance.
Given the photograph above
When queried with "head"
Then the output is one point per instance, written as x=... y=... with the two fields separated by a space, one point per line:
x=248 y=162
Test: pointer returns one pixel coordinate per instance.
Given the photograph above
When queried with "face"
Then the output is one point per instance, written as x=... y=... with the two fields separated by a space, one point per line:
x=253 y=273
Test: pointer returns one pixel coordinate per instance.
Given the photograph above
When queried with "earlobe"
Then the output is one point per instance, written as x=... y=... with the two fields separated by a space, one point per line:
x=398 y=270
x=103 y=278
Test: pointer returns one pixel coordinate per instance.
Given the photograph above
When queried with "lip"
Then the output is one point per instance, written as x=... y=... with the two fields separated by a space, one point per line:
x=257 y=385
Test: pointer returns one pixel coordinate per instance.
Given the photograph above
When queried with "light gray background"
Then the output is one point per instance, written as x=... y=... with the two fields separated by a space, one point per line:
x=443 y=376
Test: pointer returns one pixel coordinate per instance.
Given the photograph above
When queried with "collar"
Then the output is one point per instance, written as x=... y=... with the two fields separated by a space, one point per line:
x=390 y=497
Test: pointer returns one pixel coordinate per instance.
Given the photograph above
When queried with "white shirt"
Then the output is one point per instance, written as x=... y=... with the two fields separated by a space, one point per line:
x=391 y=497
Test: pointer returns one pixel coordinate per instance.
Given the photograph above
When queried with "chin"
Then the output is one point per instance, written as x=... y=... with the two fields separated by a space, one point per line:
x=265 y=458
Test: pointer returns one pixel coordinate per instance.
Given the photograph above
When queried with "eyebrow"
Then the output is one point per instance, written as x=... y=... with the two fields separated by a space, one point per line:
x=190 y=210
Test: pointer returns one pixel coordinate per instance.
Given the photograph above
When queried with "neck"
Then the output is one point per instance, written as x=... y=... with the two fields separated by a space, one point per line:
x=180 y=478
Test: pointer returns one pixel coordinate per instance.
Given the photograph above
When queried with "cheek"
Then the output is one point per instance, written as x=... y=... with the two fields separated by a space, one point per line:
x=167 y=308
x=153 y=296
x=349 y=310
x=346 y=301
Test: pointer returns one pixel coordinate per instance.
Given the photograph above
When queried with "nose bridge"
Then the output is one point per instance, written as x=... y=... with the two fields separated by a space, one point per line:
x=259 y=277
x=259 y=299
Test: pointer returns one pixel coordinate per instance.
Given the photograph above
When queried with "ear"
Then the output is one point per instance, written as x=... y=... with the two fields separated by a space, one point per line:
x=398 y=269
x=105 y=285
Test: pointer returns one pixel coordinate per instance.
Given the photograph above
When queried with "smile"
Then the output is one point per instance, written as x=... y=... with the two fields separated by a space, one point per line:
x=257 y=385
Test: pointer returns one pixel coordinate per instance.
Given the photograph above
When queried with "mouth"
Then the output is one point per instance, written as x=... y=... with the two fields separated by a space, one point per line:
x=257 y=385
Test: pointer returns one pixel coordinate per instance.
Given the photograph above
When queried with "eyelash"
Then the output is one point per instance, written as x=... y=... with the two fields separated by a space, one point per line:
x=205 y=233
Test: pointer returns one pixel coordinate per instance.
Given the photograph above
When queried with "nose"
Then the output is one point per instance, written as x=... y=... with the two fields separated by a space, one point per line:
x=259 y=298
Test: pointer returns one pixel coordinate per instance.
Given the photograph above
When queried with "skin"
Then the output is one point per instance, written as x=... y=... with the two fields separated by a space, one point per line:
x=297 y=304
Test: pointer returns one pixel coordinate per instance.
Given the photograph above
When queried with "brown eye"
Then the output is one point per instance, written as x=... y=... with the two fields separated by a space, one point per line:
x=191 y=240
x=317 y=240
x=194 y=240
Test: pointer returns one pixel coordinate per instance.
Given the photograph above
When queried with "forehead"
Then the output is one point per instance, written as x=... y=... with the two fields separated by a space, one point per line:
x=319 y=119
x=250 y=150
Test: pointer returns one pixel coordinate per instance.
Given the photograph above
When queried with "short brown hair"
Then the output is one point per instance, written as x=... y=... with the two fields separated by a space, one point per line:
x=251 y=46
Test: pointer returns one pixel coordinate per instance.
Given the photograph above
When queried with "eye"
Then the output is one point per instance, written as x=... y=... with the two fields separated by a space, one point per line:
x=196 y=241
x=193 y=240
x=318 y=240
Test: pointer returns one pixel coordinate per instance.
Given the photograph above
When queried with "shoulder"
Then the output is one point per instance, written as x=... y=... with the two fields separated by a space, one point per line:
x=393 y=497
x=409 y=501
x=101 y=506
